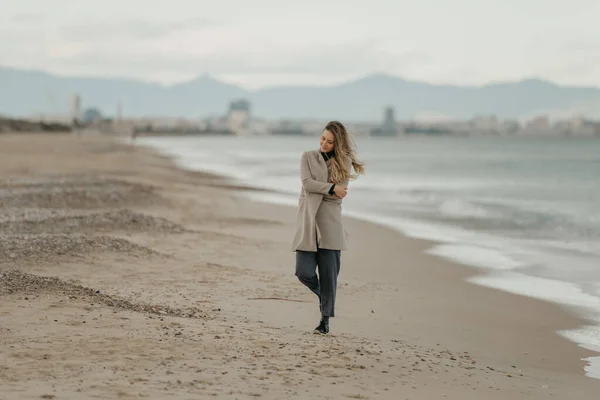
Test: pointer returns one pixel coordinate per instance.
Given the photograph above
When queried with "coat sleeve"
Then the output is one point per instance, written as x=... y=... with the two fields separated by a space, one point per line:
x=309 y=184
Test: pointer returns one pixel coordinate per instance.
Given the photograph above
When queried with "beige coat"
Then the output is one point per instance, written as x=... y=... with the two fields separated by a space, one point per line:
x=319 y=217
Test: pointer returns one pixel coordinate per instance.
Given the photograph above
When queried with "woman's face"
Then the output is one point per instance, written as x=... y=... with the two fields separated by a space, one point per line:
x=327 y=141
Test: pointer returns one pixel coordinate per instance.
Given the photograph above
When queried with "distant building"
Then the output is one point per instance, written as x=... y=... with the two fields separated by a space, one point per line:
x=285 y=127
x=238 y=117
x=511 y=126
x=119 y=111
x=389 y=126
x=485 y=124
x=539 y=123
x=579 y=125
x=75 y=107
x=90 y=116
x=426 y=129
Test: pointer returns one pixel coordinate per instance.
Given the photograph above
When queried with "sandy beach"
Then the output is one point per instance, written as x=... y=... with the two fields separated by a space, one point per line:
x=122 y=276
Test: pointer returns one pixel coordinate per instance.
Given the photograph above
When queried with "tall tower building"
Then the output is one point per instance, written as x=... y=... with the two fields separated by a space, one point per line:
x=119 y=111
x=389 y=127
x=75 y=107
x=389 y=122
x=238 y=116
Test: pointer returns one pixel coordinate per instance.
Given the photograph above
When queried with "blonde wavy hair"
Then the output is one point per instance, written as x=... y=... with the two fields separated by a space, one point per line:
x=345 y=154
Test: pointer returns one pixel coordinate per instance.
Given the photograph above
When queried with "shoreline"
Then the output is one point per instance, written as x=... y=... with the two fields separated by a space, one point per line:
x=480 y=276
x=410 y=324
x=470 y=273
x=471 y=276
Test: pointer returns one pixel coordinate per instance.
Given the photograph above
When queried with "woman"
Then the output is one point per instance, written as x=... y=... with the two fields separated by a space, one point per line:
x=320 y=235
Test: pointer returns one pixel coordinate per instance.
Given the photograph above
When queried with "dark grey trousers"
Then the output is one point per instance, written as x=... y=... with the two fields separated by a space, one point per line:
x=324 y=286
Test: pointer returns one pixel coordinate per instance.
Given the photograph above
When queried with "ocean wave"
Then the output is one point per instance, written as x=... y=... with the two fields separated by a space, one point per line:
x=463 y=208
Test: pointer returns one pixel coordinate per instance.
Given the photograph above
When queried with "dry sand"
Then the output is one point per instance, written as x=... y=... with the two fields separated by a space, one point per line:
x=122 y=276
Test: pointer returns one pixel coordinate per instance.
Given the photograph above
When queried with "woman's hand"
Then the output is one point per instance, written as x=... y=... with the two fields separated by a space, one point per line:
x=340 y=191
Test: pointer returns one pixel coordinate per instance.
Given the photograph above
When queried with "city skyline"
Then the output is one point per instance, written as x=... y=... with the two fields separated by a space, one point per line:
x=269 y=43
x=30 y=92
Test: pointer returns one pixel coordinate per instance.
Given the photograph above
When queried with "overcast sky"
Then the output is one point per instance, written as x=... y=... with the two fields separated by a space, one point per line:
x=258 y=43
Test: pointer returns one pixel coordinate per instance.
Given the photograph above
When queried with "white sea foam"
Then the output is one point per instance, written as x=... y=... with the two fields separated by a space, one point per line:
x=462 y=208
x=559 y=292
x=475 y=256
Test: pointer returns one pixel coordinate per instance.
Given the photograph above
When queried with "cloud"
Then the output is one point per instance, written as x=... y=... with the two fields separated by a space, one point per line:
x=565 y=53
x=127 y=29
x=26 y=17
x=197 y=45
x=327 y=60
x=546 y=8
x=466 y=42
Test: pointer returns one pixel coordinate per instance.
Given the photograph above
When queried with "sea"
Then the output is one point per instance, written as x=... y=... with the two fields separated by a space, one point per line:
x=525 y=211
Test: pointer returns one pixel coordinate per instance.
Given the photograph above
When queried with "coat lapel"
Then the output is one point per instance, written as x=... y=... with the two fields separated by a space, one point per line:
x=320 y=168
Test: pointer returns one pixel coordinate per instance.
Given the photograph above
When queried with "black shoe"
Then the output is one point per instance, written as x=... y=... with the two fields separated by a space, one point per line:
x=323 y=327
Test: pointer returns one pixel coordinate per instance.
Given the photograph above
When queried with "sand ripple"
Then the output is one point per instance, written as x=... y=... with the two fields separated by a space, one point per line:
x=17 y=282
x=44 y=248
x=75 y=193
x=110 y=221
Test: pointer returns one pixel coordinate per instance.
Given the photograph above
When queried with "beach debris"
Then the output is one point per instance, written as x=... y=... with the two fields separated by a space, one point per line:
x=75 y=193
x=41 y=248
x=39 y=221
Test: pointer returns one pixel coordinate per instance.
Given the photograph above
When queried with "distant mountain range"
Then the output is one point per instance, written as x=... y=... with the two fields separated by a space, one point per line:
x=24 y=92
